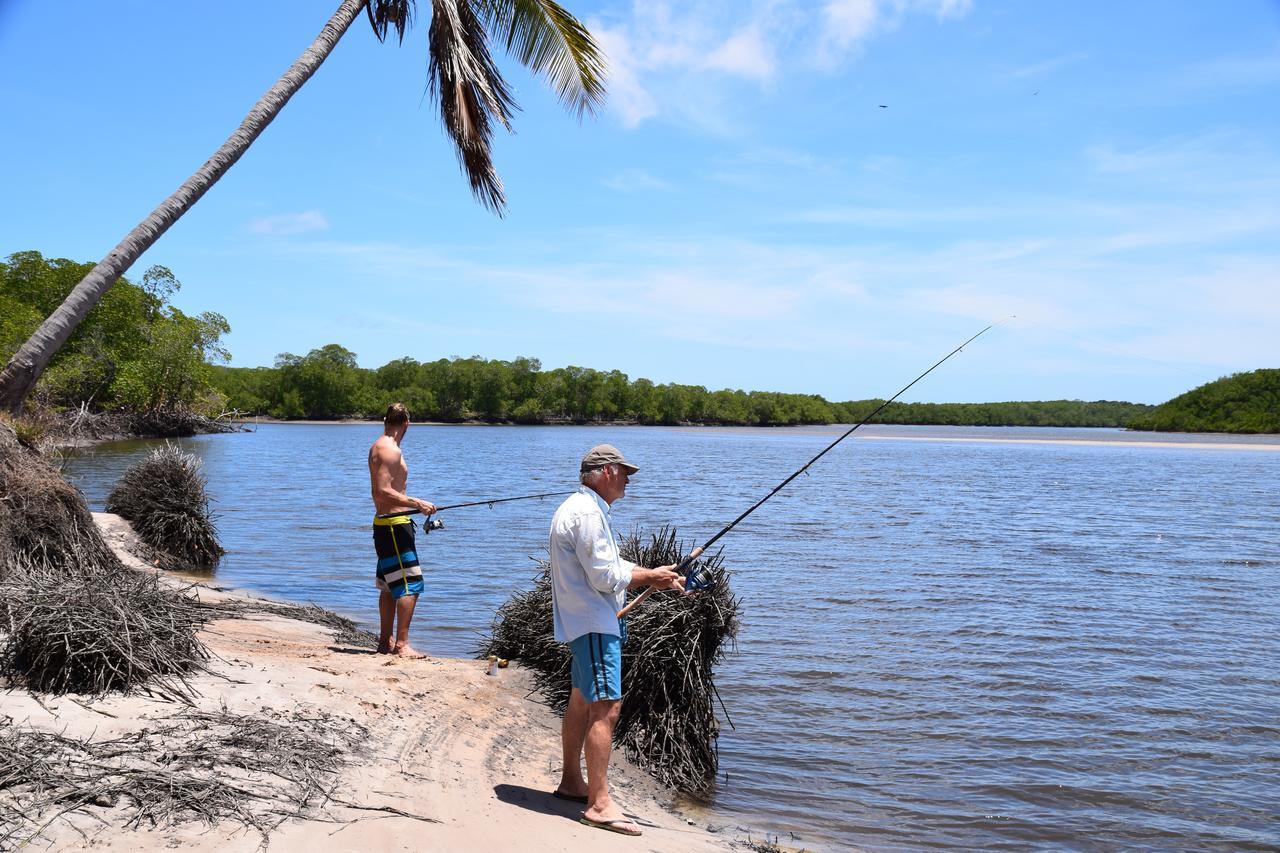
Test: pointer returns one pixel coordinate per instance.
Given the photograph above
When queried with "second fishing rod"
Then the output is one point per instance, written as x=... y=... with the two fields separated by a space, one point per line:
x=430 y=523
x=694 y=580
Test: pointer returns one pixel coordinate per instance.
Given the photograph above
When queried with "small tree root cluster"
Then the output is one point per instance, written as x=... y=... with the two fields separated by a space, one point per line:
x=164 y=498
x=73 y=618
x=668 y=723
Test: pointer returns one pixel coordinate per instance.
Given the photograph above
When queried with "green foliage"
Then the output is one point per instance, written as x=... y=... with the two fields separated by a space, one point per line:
x=134 y=350
x=1239 y=403
x=326 y=383
x=1075 y=413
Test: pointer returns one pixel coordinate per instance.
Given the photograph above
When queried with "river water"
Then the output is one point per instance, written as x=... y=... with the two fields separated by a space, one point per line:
x=995 y=638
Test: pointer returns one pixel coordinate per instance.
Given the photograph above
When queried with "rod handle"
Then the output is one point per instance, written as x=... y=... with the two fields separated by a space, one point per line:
x=631 y=605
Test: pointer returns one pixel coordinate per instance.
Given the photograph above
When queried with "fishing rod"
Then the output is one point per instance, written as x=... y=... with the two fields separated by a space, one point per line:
x=436 y=524
x=684 y=565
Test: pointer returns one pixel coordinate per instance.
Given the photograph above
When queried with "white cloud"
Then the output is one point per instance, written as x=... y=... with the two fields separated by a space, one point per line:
x=847 y=22
x=290 y=224
x=628 y=98
x=746 y=54
x=675 y=59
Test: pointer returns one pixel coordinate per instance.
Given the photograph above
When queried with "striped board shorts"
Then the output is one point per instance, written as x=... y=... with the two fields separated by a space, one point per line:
x=398 y=569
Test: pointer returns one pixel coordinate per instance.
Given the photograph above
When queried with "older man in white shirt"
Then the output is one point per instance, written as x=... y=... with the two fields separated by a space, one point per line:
x=589 y=582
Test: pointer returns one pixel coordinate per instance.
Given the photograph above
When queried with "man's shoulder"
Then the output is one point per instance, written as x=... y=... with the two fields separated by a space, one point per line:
x=573 y=507
x=385 y=447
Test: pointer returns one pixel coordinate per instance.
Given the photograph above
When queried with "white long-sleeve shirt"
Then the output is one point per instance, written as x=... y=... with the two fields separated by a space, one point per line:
x=589 y=578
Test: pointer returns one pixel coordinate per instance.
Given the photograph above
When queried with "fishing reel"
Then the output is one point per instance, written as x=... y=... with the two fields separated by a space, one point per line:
x=696 y=577
x=431 y=523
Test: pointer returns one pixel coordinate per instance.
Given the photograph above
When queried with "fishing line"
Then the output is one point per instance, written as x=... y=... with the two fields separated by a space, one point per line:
x=695 y=580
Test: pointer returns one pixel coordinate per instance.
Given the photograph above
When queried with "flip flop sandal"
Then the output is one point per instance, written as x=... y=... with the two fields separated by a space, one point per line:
x=573 y=798
x=616 y=825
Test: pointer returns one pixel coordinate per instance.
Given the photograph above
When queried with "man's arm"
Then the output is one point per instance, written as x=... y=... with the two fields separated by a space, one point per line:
x=384 y=461
x=663 y=577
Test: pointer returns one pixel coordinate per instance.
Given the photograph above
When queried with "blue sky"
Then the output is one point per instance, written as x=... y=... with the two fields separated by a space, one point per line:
x=743 y=214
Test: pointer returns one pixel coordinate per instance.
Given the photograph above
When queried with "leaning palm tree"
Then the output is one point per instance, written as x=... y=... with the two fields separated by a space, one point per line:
x=462 y=76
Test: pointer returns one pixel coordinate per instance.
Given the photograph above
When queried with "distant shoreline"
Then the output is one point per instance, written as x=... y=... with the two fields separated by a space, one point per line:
x=1266 y=442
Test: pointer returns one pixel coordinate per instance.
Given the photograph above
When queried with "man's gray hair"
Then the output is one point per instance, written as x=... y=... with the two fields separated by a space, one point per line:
x=589 y=476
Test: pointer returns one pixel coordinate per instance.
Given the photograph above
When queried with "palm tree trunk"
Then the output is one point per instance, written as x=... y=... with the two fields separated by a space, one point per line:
x=20 y=374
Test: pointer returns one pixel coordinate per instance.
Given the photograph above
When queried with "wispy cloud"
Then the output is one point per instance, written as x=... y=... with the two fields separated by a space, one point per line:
x=1212 y=162
x=289 y=224
x=635 y=180
x=1039 y=69
x=1082 y=307
x=1234 y=71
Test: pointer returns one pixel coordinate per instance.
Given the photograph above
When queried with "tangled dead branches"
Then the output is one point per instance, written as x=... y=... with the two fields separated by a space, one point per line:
x=668 y=723
x=74 y=618
x=345 y=631
x=116 y=629
x=164 y=498
x=195 y=766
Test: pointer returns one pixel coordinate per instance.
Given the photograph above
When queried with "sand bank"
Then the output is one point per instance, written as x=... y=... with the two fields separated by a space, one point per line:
x=467 y=751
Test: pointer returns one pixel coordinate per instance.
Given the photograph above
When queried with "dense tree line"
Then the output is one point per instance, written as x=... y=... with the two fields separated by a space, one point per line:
x=327 y=383
x=1076 y=413
x=1243 y=402
x=134 y=351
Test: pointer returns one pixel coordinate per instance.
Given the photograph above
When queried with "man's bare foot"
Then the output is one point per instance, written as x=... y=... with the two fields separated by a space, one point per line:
x=407 y=651
x=384 y=648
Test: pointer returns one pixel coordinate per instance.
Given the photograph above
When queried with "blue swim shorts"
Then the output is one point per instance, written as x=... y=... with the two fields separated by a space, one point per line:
x=597 y=666
x=398 y=570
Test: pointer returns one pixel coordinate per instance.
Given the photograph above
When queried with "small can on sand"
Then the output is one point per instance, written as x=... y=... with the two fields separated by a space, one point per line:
x=493 y=665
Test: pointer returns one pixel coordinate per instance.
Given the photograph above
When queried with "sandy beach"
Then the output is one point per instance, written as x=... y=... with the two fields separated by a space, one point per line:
x=468 y=759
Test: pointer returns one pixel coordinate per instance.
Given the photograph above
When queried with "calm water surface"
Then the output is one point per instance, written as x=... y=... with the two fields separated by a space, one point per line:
x=1062 y=638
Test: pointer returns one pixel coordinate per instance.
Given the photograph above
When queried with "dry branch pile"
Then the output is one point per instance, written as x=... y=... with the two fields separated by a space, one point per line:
x=668 y=724
x=164 y=498
x=194 y=766
x=73 y=618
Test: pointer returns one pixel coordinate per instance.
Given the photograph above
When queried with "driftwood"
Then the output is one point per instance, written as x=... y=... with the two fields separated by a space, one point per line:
x=668 y=723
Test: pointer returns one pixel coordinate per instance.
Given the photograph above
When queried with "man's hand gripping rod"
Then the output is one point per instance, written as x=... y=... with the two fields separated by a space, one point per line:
x=684 y=564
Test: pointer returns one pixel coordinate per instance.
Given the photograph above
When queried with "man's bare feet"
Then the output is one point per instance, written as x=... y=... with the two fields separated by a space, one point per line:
x=407 y=651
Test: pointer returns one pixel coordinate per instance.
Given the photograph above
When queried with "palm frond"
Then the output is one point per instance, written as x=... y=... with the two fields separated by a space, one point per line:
x=472 y=94
x=551 y=42
x=384 y=14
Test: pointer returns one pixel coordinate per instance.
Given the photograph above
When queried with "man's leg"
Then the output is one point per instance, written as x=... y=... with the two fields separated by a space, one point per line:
x=573 y=733
x=404 y=615
x=602 y=716
x=386 y=616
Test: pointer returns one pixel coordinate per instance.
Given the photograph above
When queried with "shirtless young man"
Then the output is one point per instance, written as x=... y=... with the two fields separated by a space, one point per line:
x=399 y=576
